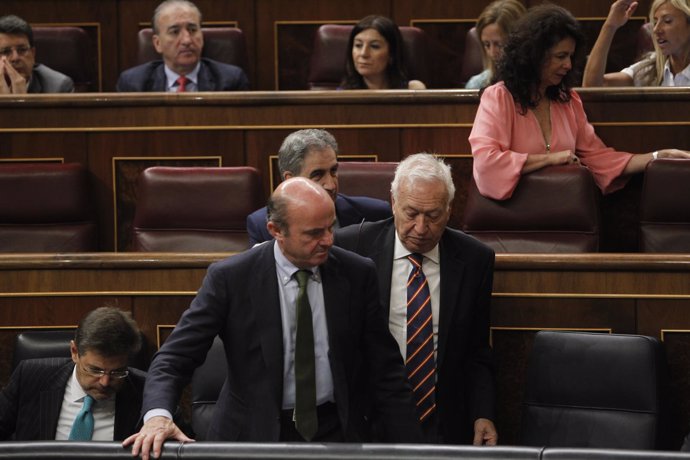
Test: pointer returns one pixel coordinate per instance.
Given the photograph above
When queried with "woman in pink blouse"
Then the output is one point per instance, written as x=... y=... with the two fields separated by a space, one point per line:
x=532 y=118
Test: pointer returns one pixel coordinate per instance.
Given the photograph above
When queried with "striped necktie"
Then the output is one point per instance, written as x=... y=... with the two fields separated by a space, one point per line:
x=421 y=368
x=306 y=420
x=82 y=428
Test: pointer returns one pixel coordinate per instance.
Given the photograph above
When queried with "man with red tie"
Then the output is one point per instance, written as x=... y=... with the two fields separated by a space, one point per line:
x=436 y=283
x=177 y=37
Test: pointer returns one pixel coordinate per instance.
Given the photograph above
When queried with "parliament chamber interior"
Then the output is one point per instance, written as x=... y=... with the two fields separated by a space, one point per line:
x=102 y=193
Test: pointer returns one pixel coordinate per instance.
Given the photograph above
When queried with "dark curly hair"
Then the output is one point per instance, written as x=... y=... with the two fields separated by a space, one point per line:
x=526 y=51
x=396 y=74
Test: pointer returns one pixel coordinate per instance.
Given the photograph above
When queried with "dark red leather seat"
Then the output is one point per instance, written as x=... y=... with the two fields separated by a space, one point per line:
x=327 y=65
x=195 y=209
x=68 y=50
x=553 y=210
x=46 y=207
x=223 y=44
x=665 y=207
x=366 y=178
x=472 y=57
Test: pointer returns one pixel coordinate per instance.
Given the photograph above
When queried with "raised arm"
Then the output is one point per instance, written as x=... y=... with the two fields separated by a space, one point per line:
x=619 y=14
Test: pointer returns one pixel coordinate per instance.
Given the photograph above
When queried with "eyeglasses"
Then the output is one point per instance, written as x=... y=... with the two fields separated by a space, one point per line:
x=21 y=50
x=98 y=373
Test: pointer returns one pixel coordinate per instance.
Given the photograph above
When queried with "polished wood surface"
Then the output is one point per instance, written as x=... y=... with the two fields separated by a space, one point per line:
x=611 y=293
x=118 y=135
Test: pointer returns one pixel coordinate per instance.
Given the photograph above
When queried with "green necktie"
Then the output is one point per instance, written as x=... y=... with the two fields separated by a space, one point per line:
x=306 y=420
x=82 y=428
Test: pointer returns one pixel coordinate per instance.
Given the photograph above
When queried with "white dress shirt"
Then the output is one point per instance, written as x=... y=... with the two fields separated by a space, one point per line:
x=103 y=413
x=682 y=78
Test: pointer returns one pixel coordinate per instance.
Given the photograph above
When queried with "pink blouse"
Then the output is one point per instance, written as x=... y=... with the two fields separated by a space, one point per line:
x=501 y=138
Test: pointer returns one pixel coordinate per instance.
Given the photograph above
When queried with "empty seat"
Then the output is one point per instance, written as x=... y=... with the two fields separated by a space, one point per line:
x=69 y=51
x=46 y=207
x=223 y=44
x=195 y=209
x=595 y=390
x=665 y=208
x=553 y=210
x=366 y=178
x=327 y=64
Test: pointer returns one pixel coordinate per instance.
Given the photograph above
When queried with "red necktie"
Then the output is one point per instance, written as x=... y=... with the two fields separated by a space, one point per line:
x=182 y=83
x=421 y=368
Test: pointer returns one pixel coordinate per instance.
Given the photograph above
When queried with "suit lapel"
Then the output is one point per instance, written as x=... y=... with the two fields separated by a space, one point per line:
x=158 y=79
x=452 y=269
x=51 y=401
x=382 y=255
x=266 y=304
x=205 y=81
x=127 y=404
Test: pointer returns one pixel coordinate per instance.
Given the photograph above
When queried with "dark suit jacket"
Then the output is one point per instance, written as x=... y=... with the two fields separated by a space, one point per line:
x=30 y=403
x=46 y=80
x=349 y=210
x=239 y=301
x=465 y=385
x=213 y=76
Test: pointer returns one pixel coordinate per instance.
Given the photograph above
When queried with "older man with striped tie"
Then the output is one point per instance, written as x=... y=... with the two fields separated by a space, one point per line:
x=436 y=283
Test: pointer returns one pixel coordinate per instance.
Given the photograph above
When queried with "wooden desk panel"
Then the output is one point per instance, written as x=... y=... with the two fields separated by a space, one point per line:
x=610 y=293
x=247 y=129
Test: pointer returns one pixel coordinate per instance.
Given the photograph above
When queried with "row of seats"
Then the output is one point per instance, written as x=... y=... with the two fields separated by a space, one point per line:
x=49 y=208
x=585 y=390
x=66 y=49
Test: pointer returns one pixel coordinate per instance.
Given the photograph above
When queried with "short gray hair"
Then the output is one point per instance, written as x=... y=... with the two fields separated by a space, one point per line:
x=296 y=146
x=423 y=167
x=159 y=10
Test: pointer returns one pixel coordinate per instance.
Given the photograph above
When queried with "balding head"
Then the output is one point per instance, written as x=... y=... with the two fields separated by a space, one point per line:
x=301 y=216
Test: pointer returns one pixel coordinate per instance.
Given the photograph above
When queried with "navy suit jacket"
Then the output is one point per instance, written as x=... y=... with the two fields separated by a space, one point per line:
x=239 y=301
x=348 y=209
x=30 y=404
x=46 y=80
x=213 y=76
x=465 y=383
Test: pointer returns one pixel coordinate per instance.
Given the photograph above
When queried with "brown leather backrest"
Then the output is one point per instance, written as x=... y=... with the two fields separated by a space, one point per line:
x=195 y=209
x=46 y=207
x=472 y=57
x=68 y=50
x=366 y=178
x=327 y=65
x=222 y=44
x=554 y=209
x=665 y=207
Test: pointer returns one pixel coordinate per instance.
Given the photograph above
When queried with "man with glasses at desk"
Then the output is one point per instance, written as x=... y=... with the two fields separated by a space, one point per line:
x=18 y=69
x=92 y=396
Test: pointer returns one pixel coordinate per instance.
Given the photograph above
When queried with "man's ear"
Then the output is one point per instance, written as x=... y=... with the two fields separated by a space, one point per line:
x=73 y=351
x=287 y=175
x=274 y=230
x=156 y=43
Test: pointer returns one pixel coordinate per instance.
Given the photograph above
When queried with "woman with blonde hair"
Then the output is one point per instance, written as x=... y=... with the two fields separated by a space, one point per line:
x=667 y=65
x=493 y=27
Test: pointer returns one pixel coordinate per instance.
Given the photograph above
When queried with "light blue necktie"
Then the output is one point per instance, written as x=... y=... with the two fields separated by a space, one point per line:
x=82 y=428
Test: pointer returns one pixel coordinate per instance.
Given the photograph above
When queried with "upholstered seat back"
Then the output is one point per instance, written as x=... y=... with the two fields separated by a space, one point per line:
x=595 y=390
x=665 y=207
x=327 y=65
x=195 y=209
x=554 y=209
x=69 y=51
x=472 y=57
x=366 y=178
x=207 y=382
x=223 y=44
x=46 y=207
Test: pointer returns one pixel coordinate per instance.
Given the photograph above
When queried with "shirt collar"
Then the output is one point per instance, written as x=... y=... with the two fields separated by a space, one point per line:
x=74 y=392
x=191 y=76
x=287 y=269
x=400 y=251
x=669 y=77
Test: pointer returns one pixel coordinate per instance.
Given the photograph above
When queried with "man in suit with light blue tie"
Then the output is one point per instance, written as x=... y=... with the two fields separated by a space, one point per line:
x=92 y=396
x=178 y=38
